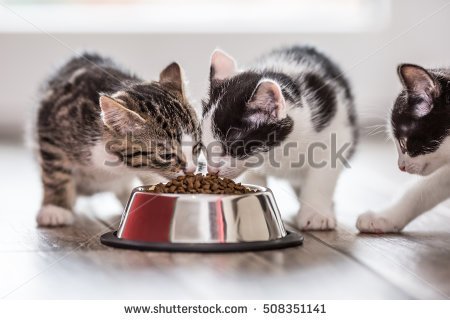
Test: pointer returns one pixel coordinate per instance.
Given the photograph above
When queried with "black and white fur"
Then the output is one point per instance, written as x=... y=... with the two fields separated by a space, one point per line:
x=294 y=96
x=420 y=125
x=98 y=128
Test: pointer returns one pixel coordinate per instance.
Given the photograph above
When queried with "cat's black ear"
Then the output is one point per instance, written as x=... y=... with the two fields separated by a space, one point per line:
x=416 y=78
x=267 y=102
x=421 y=83
x=118 y=118
x=172 y=77
x=223 y=66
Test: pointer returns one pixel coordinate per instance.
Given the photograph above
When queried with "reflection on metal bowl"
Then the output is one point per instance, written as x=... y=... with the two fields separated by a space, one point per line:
x=201 y=222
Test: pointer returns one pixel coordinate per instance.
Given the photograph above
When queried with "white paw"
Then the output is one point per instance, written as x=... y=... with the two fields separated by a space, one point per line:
x=309 y=219
x=376 y=223
x=52 y=216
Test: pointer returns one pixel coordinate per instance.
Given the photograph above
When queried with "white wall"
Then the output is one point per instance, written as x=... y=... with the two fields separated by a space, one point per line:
x=369 y=59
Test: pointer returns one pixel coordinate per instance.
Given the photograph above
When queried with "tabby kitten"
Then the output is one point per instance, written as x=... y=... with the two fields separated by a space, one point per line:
x=263 y=120
x=420 y=125
x=99 y=127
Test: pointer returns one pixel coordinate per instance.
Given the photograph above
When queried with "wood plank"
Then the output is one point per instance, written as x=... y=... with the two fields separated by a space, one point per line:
x=20 y=233
x=312 y=271
x=81 y=274
x=419 y=269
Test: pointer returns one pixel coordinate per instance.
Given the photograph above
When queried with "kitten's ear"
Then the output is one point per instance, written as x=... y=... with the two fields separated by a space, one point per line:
x=118 y=118
x=415 y=78
x=222 y=65
x=172 y=77
x=268 y=101
x=419 y=81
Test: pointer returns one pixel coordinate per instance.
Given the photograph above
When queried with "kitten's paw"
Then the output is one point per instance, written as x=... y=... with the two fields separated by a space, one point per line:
x=309 y=219
x=370 y=222
x=53 y=216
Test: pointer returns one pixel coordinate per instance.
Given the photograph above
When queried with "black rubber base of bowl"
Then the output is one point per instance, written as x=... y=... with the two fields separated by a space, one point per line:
x=292 y=239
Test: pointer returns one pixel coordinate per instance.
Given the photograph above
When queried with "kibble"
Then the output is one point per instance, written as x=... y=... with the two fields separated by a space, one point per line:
x=199 y=183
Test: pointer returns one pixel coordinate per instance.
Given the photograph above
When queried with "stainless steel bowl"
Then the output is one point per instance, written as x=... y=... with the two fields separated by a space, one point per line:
x=201 y=222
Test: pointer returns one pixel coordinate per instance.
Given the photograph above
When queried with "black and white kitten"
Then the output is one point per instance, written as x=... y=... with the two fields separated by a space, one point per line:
x=420 y=125
x=272 y=114
x=99 y=127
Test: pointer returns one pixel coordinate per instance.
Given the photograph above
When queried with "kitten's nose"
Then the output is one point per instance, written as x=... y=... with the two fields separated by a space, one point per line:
x=402 y=167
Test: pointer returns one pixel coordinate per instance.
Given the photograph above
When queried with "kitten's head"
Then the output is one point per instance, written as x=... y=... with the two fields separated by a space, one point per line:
x=420 y=119
x=151 y=125
x=244 y=115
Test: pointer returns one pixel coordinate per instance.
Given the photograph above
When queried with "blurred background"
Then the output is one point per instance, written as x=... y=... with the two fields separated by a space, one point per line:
x=368 y=38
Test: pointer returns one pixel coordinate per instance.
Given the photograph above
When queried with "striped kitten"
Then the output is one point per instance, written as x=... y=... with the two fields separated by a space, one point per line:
x=99 y=127
x=292 y=104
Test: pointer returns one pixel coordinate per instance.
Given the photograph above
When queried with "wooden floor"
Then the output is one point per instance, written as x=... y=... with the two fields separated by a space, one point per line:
x=71 y=263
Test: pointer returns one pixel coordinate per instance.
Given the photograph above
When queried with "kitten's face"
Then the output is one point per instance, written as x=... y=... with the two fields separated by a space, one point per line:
x=152 y=127
x=420 y=120
x=243 y=116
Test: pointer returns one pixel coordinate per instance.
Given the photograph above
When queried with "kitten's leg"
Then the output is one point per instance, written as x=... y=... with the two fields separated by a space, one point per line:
x=254 y=178
x=316 y=199
x=423 y=196
x=59 y=191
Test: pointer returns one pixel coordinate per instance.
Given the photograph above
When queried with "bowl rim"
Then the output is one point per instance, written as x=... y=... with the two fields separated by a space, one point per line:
x=145 y=189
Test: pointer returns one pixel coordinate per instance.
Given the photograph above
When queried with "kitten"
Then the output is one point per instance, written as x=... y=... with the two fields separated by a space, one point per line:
x=420 y=124
x=292 y=104
x=99 y=127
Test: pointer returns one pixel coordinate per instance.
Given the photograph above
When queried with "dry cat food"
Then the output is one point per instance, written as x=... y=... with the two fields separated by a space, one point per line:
x=199 y=183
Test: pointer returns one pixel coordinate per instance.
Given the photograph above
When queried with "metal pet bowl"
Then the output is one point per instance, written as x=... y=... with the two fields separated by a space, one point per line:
x=201 y=222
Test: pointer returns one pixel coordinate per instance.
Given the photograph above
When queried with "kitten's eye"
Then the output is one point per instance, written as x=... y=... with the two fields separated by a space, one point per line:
x=168 y=156
x=402 y=143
